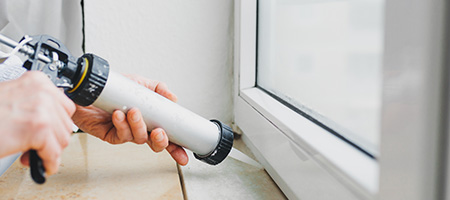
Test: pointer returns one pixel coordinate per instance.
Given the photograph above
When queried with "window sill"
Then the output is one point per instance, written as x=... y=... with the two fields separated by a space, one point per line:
x=344 y=162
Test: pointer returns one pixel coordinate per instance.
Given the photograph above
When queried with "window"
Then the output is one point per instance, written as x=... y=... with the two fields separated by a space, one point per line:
x=343 y=99
x=324 y=58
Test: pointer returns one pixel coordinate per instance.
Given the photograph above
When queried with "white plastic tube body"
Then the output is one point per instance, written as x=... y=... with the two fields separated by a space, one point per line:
x=182 y=126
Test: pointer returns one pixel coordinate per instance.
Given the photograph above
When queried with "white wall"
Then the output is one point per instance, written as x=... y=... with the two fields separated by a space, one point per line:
x=187 y=44
x=60 y=19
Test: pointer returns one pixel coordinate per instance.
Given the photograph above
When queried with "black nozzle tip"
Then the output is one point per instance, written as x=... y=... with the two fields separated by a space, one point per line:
x=223 y=147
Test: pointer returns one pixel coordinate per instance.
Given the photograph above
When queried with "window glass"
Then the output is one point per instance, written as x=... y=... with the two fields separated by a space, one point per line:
x=324 y=57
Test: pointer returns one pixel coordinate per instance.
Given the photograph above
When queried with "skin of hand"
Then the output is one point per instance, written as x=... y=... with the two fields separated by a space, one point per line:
x=34 y=114
x=119 y=127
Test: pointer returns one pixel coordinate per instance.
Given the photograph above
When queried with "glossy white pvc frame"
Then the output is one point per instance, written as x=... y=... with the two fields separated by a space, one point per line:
x=335 y=163
x=413 y=162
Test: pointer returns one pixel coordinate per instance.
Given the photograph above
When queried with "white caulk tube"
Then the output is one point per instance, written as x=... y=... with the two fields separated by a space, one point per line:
x=183 y=127
x=211 y=141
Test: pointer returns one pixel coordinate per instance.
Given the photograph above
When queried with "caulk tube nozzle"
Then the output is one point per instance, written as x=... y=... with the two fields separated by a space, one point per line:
x=211 y=141
x=223 y=147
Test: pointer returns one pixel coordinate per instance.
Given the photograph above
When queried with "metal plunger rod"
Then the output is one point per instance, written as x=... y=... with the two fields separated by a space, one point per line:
x=25 y=49
x=5 y=40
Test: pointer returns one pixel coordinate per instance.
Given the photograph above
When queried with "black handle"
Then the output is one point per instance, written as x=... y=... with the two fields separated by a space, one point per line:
x=37 y=168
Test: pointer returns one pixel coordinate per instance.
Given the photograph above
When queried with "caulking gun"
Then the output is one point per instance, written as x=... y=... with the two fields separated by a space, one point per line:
x=88 y=80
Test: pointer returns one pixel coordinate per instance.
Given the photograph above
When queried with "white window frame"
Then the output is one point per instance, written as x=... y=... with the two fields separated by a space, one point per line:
x=307 y=162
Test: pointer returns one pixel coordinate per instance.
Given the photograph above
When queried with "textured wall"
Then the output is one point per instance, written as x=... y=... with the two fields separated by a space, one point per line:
x=187 y=44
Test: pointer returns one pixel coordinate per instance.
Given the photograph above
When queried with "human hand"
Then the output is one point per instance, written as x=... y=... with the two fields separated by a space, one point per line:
x=119 y=127
x=34 y=114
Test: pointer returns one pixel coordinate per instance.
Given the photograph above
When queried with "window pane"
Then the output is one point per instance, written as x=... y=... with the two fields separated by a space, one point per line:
x=325 y=58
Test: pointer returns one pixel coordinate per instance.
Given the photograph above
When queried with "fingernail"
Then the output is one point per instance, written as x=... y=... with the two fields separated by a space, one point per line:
x=135 y=117
x=120 y=117
x=159 y=136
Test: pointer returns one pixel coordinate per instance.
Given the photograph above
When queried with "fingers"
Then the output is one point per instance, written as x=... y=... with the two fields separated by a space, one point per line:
x=50 y=156
x=41 y=82
x=65 y=126
x=65 y=102
x=157 y=86
x=52 y=128
x=162 y=89
x=40 y=114
x=129 y=127
x=138 y=127
x=158 y=140
x=51 y=165
x=178 y=154
x=25 y=158
x=123 y=130
x=48 y=149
